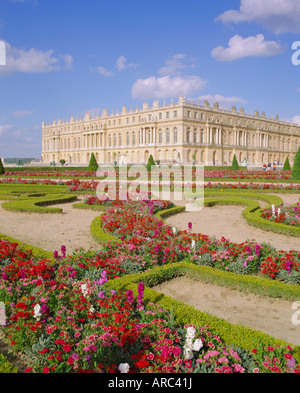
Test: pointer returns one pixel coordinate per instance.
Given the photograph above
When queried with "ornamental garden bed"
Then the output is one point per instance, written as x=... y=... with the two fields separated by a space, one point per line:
x=95 y=311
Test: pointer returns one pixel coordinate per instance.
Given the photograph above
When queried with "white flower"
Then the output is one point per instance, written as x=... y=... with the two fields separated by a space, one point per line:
x=124 y=368
x=37 y=312
x=91 y=309
x=190 y=332
x=198 y=344
x=188 y=353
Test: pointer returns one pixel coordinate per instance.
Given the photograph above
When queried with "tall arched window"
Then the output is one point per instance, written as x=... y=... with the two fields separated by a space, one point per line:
x=160 y=136
x=133 y=138
x=175 y=135
x=188 y=135
x=167 y=136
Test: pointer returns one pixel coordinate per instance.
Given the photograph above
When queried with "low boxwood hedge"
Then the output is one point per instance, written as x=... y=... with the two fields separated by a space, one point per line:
x=33 y=204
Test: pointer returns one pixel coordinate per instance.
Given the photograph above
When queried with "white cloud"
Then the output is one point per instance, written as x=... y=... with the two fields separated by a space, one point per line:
x=166 y=86
x=223 y=100
x=280 y=16
x=4 y=129
x=33 y=61
x=103 y=71
x=22 y=113
x=121 y=64
x=173 y=65
x=239 y=47
x=296 y=119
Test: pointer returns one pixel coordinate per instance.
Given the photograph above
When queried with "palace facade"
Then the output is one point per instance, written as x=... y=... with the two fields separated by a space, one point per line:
x=183 y=132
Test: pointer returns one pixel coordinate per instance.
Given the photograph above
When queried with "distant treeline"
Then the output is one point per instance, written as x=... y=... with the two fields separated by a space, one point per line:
x=18 y=161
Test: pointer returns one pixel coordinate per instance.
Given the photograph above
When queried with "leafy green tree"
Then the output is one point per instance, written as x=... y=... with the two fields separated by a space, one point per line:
x=93 y=166
x=287 y=165
x=2 y=170
x=150 y=163
x=235 y=165
x=296 y=167
x=62 y=161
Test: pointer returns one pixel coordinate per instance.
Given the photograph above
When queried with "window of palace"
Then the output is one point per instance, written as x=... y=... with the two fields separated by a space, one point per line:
x=188 y=136
x=133 y=138
x=160 y=136
x=167 y=136
x=175 y=114
x=175 y=135
x=167 y=115
x=133 y=120
x=160 y=116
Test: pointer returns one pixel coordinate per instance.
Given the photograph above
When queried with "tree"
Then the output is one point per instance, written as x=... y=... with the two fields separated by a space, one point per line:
x=93 y=166
x=62 y=161
x=296 y=167
x=2 y=170
x=235 y=165
x=287 y=165
x=150 y=163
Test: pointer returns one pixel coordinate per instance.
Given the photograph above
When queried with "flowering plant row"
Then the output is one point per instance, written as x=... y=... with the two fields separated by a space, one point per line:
x=208 y=174
x=288 y=215
x=148 y=242
x=65 y=320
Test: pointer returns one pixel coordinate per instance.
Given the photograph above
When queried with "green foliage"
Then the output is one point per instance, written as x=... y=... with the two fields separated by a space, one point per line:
x=287 y=165
x=6 y=367
x=296 y=167
x=33 y=203
x=62 y=161
x=235 y=165
x=93 y=165
x=150 y=163
x=2 y=170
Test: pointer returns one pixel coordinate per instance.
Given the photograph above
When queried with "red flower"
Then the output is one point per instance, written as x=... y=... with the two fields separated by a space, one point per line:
x=67 y=348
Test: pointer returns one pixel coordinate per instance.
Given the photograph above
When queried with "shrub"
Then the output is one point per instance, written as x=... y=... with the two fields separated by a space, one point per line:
x=296 y=167
x=93 y=166
x=235 y=165
x=287 y=165
x=151 y=162
x=2 y=170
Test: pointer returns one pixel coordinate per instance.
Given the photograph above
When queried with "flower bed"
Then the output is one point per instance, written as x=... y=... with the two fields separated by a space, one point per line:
x=65 y=320
x=288 y=215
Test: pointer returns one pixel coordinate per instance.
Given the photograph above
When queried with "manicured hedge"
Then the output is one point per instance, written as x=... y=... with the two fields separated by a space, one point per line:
x=32 y=204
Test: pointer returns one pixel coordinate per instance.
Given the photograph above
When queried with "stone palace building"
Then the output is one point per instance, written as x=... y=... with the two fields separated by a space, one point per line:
x=183 y=132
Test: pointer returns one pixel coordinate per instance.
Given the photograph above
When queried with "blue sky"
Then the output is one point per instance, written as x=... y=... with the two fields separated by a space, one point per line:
x=66 y=57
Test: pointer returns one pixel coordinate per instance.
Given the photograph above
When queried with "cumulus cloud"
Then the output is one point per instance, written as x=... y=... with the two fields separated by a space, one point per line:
x=33 y=61
x=222 y=100
x=280 y=16
x=173 y=65
x=121 y=64
x=239 y=47
x=167 y=86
